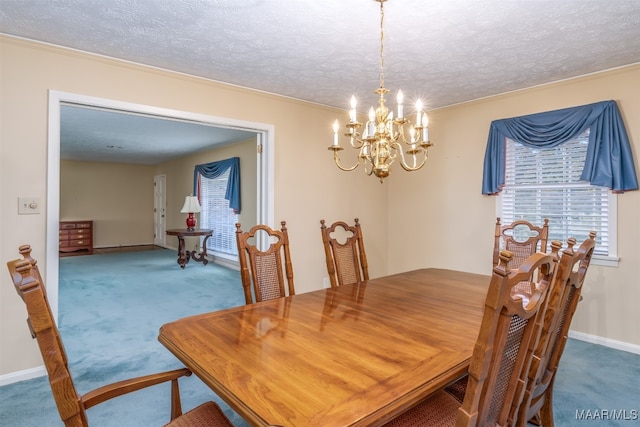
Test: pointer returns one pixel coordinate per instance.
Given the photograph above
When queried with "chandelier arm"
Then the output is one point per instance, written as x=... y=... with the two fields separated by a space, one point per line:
x=392 y=155
x=367 y=161
x=356 y=142
x=336 y=158
x=415 y=168
x=403 y=160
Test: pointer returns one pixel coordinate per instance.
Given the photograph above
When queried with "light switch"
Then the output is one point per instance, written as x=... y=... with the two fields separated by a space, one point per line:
x=28 y=205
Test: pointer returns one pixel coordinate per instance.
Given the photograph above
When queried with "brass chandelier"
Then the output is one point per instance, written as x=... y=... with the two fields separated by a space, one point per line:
x=381 y=140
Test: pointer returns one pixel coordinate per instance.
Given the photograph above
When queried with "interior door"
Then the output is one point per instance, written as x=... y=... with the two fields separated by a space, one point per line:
x=159 y=210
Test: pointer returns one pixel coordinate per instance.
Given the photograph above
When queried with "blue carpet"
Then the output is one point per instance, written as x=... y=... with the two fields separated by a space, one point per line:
x=597 y=386
x=111 y=307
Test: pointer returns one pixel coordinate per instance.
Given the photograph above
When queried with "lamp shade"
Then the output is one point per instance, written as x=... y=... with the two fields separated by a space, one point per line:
x=191 y=205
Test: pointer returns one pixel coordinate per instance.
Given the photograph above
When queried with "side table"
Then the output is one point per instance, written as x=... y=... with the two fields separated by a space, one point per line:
x=185 y=255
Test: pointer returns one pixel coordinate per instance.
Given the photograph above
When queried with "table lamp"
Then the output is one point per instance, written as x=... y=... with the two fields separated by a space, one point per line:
x=191 y=206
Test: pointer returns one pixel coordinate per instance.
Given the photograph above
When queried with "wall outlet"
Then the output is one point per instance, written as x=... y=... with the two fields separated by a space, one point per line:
x=326 y=283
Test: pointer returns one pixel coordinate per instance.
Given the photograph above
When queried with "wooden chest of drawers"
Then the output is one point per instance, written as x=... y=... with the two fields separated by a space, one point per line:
x=76 y=236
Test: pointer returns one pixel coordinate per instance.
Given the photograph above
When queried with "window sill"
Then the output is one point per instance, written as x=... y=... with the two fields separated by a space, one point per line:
x=605 y=261
x=225 y=260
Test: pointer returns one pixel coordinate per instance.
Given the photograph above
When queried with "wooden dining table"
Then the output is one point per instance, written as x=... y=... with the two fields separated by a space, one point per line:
x=356 y=355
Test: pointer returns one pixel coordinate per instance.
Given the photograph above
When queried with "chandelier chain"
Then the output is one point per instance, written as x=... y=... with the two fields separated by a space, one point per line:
x=382 y=44
x=383 y=138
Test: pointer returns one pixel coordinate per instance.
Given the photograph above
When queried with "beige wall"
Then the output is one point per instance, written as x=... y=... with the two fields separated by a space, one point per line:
x=452 y=222
x=117 y=197
x=307 y=186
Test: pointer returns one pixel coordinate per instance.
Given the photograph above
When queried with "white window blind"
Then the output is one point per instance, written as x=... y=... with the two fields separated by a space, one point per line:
x=545 y=183
x=216 y=214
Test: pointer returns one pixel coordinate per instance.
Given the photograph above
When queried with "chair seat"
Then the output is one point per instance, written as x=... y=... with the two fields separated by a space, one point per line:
x=458 y=388
x=208 y=414
x=439 y=410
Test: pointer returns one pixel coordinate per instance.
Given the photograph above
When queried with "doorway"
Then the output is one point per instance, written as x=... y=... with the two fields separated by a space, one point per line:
x=159 y=207
x=265 y=163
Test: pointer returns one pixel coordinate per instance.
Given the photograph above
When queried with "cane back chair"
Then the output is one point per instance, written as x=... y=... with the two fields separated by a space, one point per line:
x=520 y=238
x=347 y=260
x=499 y=357
x=537 y=405
x=72 y=406
x=265 y=268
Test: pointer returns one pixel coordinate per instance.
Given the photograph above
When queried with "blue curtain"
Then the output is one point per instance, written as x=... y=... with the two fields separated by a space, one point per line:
x=215 y=169
x=609 y=161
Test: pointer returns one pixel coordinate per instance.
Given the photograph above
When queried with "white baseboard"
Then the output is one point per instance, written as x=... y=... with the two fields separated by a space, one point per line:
x=27 y=374
x=123 y=246
x=234 y=265
x=607 y=342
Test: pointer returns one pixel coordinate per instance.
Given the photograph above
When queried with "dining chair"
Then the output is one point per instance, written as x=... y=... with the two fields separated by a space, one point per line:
x=499 y=356
x=344 y=253
x=522 y=238
x=537 y=405
x=264 y=268
x=72 y=406
x=458 y=388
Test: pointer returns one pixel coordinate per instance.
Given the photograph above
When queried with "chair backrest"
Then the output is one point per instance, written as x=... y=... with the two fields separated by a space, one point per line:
x=265 y=268
x=346 y=259
x=571 y=299
x=507 y=330
x=28 y=283
x=521 y=238
x=562 y=303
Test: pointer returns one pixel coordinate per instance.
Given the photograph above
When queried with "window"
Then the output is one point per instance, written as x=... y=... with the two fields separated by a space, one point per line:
x=216 y=214
x=545 y=183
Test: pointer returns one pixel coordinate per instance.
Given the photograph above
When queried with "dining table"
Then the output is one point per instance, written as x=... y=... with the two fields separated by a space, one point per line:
x=354 y=355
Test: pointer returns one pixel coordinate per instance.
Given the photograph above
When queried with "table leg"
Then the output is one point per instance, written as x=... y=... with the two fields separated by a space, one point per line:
x=183 y=256
x=202 y=257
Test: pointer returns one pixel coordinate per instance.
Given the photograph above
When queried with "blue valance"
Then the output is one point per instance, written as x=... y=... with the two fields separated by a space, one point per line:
x=609 y=161
x=215 y=169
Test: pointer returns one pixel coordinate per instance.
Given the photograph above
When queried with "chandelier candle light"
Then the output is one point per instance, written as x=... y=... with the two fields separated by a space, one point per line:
x=381 y=140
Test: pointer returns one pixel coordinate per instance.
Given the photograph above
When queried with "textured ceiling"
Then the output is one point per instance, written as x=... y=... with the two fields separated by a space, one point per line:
x=444 y=52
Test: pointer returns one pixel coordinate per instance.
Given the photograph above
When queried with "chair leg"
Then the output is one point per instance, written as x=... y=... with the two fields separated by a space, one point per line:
x=536 y=421
x=546 y=410
x=176 y=406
